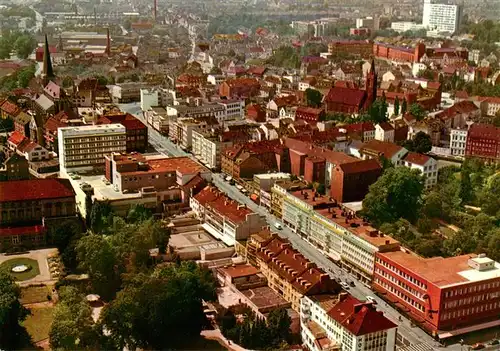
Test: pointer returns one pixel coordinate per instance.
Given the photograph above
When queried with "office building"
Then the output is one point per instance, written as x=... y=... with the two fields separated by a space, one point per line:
x=83 y=148
x=441 y=17
x=445 y=296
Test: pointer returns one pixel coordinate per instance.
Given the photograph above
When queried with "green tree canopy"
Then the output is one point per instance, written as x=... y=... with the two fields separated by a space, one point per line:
x=417 y=111
x=24 y=45
x=73 y=326
x=396 y=194
x=422 y=143
x=11 y=313
x=161 y=311
x=313 y=97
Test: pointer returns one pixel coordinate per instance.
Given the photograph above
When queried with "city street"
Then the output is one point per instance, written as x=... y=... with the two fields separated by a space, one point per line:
x=410 y=335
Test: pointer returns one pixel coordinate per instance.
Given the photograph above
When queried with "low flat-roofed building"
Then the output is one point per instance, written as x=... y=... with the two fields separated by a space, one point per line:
x=445 y=296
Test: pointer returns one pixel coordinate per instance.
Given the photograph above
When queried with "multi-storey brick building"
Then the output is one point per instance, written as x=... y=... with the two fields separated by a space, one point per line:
x=26 y=206
x=289 y=273
x=84 y=148
x=361 y=48
x=239 y=87
x=483 y=141
x=137 y=132
x=445 y=296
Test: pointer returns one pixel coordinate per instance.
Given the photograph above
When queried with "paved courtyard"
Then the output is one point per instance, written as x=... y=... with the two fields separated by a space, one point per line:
x=41 y=257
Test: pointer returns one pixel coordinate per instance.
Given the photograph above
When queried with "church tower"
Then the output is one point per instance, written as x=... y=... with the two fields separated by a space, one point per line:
x=371 y=86
x=47 y=70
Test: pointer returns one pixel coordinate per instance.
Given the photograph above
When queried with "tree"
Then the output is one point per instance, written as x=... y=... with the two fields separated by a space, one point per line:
x=97 y=257
x=396 y=194
x=5 y=47
x=72 y=327
x=160 y=311
x=321 y=189
x=404 y=107
x=466 y=191
x=279 y=323
x=67 y=82
x=25 y=76
x=417 y=111
x=496 y=119
x=490 y=201
x=100 y=217
x=313 y=97
x=24 y=45
x=138 y=213
x=11 y=313
x=396 y=106
x=422 y=143
x=378 y=111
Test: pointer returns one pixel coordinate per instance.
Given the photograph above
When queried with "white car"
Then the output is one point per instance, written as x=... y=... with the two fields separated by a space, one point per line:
x=344 y=285
x=371 y=299
x=278 y=226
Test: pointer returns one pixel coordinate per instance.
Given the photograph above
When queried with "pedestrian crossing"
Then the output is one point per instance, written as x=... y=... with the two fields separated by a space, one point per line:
x=416 y=347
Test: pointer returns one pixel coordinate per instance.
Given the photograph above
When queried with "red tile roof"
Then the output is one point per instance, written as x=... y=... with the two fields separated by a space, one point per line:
x=16 y=138
x=484 y=131
x=309 y=110
x=208 y=194
x=359 y=318
x=461 y=107
x=416 y=158
x=60 y=120
x=386 y=126
x=382 y=147
x=127 y=120
x=10 y=231
x=242 y=270
x=257 y=70
x=232 y=210
x=36 y=189
x=10 y=108
x=291 y=265
x=360 y=166
x=346 y=96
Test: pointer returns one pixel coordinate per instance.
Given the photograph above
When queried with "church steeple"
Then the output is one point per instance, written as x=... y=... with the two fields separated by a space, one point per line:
x=108 y=43
x=48 y=71
x=371 y=86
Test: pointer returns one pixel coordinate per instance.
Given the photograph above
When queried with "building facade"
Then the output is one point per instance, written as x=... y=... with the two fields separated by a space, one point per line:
x=84 y=148
x=341 y=322
x=441 y=17
x=444 y=296
x=425 y=164
x=483 y=141
x=458 y=142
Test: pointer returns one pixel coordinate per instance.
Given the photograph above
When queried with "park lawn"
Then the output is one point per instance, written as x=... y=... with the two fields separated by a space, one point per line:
x=34 y=294
x=38 y=323
x=32 y=273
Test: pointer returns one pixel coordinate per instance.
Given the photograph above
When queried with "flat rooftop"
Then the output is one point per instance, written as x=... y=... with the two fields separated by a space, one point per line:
x=264 y=298
x=443 y=272
x=93 y=129
x=278 y=175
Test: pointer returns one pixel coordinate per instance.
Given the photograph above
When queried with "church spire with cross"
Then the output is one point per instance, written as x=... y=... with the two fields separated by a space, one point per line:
x=47 y=71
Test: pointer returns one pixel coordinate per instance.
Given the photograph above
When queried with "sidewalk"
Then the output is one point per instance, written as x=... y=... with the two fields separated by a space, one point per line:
x=217 y=335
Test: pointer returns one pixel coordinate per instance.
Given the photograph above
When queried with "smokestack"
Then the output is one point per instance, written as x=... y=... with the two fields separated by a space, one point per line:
x=155 y=8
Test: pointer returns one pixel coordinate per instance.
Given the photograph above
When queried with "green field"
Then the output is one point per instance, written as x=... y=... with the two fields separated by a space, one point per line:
x=38 y=323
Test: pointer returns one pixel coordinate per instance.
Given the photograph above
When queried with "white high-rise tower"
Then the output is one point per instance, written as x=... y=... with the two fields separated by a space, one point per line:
x=441 y=17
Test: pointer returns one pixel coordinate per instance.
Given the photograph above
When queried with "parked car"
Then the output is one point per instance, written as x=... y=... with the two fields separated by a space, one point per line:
x=278 y=226
x=344 y=285
x=478 y=346
x=351 y=283
x=371 y=299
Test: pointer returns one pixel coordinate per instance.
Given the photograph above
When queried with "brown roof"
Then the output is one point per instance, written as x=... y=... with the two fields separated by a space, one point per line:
x=360 y=166
x=416 y=158
x=241 y=270
x=382 y=148
x=346 y=96
x=386 y=126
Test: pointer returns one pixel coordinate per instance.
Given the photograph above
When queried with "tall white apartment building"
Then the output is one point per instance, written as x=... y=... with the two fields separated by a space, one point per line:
x=341 y=322
x=149 y=98
x=83 y=148
x=234 y=110
x=441 y=17
x=458 y=142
